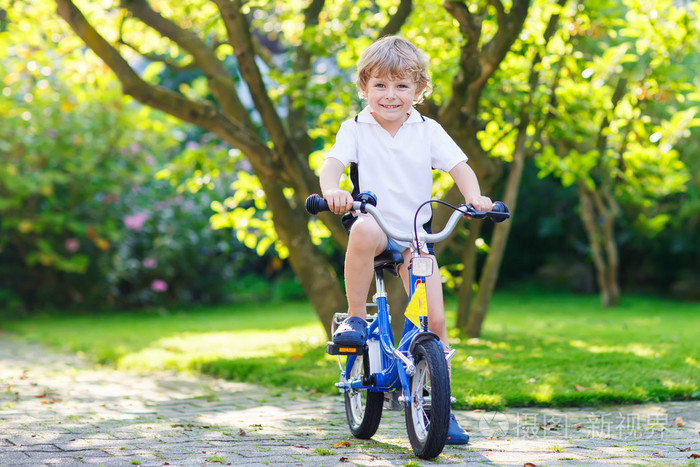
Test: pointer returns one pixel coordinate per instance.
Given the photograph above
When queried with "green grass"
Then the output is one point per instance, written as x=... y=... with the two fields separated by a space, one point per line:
x=536 y=349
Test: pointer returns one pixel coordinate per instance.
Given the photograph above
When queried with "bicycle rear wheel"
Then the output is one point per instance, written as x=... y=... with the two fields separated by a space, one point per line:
x=362 y=407
x=428 y=416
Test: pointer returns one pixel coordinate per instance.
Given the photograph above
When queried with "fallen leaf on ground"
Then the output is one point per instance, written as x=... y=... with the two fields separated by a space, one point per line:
x=343 y=459
x=658 y=454
x=342 y=444
x=679 y=422
x=683 y=449
x=550 y=426
x=578 y=426
x=529 y=464
x=694 y=456
x=241 y=431
x=578 y=387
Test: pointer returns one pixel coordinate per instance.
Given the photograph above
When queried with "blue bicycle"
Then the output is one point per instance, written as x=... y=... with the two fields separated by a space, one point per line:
x=414 y=375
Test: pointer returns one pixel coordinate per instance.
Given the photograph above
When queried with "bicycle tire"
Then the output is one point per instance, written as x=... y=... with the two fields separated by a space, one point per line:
x=428 y=416
x=363 y=408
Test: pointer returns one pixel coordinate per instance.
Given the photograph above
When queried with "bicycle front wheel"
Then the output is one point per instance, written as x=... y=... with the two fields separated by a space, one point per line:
x=362 y=407
x=428 y=416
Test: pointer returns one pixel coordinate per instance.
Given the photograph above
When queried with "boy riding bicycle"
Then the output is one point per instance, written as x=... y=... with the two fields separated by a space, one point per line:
x=394 y=149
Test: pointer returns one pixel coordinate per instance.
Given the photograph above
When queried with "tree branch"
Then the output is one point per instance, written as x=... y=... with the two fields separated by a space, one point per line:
x=469 y=62
x=500 y=12
x=618 y=94
x=151 y=57
x=493 y=52
x=220 y=83
x=296 y=171
x=398 y=19
x=200 y=113
x=240 y=38
x=296 y=108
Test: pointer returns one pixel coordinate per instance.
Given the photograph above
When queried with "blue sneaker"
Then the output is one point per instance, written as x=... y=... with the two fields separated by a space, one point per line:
x=455 y=433
x=352 y=332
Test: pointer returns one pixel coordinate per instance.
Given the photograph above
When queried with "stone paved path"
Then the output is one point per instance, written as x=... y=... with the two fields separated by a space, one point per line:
x=60 y=410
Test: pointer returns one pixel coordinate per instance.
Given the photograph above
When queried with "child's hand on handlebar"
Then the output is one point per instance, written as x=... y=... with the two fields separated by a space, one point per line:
x=480 y=203
x=339 y=201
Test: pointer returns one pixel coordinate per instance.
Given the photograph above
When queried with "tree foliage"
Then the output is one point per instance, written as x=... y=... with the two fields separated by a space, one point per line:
x=83 y=222
x=591 y=90
x=622 y=101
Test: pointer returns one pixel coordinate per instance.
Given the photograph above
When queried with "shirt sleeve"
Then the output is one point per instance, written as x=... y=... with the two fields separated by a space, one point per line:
x=445 y=153
x=345 y=147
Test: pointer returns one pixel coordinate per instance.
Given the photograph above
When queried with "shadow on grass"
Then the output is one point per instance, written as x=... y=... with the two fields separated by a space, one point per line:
x=309 y=370
x=564 y=350
x=536 y=350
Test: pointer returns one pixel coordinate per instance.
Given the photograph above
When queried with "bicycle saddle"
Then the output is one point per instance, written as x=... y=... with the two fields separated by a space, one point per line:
x=389 y=260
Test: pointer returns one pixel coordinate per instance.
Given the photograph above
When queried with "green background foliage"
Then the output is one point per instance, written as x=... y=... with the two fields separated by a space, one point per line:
x=78 y=158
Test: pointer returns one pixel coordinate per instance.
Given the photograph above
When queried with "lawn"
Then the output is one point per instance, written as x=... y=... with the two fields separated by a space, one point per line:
x=536 y=349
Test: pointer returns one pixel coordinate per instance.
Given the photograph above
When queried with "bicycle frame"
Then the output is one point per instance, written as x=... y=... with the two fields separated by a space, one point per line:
x=415 y=365
x=393 y=375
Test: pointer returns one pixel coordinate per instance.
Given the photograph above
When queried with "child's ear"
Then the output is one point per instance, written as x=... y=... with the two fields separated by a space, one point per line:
x=363 y=94
x=419 y=93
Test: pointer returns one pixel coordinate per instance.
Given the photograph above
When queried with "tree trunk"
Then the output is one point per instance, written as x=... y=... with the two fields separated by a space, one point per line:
x=274 y=169
x=599 y=222
x=466 y=290
x=499 y=240
x=487 y=282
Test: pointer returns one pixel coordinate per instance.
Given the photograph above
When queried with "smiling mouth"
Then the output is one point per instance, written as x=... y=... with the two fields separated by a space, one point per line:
x=390 y=107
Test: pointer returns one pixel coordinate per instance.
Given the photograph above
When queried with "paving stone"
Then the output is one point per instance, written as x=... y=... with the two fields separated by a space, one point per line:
x=58 y=409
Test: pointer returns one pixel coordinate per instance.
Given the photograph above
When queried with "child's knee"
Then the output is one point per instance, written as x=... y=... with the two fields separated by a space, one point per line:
x=365 y=235
x=437 y=322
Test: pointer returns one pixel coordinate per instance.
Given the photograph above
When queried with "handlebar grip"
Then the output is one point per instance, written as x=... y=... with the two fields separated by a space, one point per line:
x=315 y=204
x=499 y=212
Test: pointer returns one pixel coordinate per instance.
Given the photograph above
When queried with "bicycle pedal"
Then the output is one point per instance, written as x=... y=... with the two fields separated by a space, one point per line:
x=335 y=349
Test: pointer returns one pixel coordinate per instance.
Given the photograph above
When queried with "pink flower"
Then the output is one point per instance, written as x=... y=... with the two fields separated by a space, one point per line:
x=159 y=285
x=72 y=244
x=150 y=263
x=136 y=221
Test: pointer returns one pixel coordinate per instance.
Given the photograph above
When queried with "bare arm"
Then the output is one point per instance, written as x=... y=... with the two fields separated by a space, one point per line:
x=468 y=185
x=339 y=201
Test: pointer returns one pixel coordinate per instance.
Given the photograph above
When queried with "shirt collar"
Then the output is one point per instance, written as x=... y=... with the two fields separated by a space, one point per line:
x=366 y=117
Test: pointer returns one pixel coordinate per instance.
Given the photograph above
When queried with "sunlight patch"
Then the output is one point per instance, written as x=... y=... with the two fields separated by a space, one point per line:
x=639 y=350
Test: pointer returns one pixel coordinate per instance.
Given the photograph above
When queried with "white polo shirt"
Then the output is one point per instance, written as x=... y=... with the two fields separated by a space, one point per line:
x=397 y=169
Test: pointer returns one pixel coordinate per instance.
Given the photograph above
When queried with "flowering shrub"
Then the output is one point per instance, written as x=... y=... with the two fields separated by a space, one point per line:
x=168 y=252
x=82 y=221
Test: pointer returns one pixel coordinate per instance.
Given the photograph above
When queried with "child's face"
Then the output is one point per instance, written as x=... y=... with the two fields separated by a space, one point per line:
x=391 y=99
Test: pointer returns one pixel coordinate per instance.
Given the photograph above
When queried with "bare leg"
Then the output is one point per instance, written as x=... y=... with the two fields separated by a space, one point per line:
x=366 y=241
x=436 y=307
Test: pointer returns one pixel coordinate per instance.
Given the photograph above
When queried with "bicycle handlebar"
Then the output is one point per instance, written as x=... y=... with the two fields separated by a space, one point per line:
x=315 y=204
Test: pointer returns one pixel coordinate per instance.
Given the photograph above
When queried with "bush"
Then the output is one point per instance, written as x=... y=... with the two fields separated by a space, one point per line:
x=83 y=222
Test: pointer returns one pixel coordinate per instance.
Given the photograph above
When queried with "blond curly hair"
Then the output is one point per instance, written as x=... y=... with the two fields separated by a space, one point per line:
x=396 y=58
